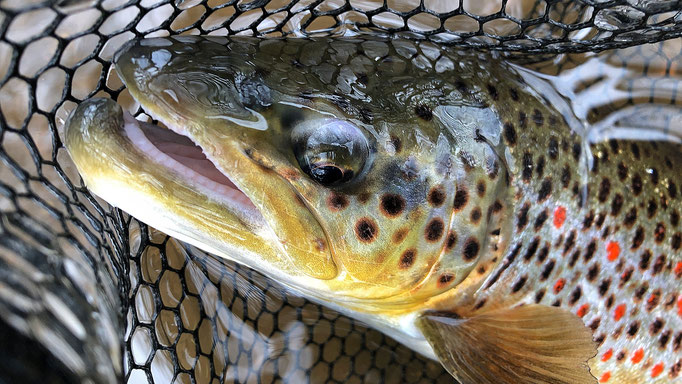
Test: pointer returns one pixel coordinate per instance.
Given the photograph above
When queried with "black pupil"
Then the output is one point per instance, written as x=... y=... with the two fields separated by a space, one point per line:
x=328 y=174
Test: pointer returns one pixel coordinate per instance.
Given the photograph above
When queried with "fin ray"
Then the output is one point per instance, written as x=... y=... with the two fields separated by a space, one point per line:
x=526 y=344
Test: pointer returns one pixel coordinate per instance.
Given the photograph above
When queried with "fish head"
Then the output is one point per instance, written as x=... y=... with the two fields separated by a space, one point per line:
x=368 y=188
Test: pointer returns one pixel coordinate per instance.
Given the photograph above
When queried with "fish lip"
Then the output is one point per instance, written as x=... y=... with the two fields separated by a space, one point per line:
x=226 y=191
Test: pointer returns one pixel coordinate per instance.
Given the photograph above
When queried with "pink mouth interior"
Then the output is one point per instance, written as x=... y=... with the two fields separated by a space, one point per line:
x=180 y=154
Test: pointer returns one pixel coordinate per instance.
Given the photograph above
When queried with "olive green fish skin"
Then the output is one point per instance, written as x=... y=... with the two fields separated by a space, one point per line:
x=476 y=194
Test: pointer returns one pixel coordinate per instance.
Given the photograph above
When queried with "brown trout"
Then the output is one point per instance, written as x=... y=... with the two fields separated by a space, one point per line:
x=449 y=205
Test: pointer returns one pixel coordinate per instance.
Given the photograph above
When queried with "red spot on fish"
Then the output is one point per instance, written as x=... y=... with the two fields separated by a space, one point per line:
x=637 y=356
x=607 y=355
x=605 y=377
x=559 y=216
x=559 y=285
x=678 y=269
x=582 y=310
x=657 y=369
x=612 y=250
x=619 y=312
x=679 y=305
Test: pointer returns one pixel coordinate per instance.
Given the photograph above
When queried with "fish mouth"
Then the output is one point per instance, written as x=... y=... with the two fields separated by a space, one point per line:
x=179 y=154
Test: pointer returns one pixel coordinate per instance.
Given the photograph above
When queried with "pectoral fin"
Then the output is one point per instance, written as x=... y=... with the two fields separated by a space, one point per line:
x=527 y=344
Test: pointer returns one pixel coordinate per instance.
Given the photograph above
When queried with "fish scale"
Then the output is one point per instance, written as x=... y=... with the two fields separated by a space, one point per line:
x=598 y=233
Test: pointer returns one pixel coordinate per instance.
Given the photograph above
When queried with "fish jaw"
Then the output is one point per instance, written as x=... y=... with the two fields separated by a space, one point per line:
x=120 y=160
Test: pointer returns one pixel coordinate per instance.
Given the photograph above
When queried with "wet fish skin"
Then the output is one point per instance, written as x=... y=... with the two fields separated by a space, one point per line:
x=524 y=208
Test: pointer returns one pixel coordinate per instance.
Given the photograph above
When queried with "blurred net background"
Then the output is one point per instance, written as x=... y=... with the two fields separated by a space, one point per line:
x=88 y=294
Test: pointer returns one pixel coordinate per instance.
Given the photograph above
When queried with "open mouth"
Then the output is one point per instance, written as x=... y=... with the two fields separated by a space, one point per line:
x=187 y=160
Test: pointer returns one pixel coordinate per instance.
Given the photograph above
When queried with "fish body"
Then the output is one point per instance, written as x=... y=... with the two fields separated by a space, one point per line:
x=431 y=193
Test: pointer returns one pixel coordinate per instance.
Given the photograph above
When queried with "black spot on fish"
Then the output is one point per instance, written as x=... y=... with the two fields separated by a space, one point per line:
x=656 y=326
x=434 y=229
x=337 y=201
x=461 y=198
x=543 y=253
x=493 y=92
x=547 y=270
x=522 y=119
x=423 y=112
x=575 y=295
x=636 y=184
x=553 y=148
x=658 y=264
x=644 y=260
x=633 y=328
x=540 y=168
x=676 y=241
x=519 y=284
x=452 y=240
x=527 y=171
x=476 y=215
x=651 y=208
x=590 y=249
x=437 y=196
x=366 y=230
x=588 y=220
x=539 y=295
x=653 y=300
x=532 y=248
x=523 y=216
x=604 y=190
x=510 y=133
x=659 y=233
x=545 y=189
x=622 y=171
x=540 y=220
x=638 y=239
x=538 y=118
x=577 y=149
x=625 y=276
x=471 y=248
x=514 y=94
x=392 y=204
x=630 y=218
x=593 y=272
x=604 y=287
x=407 y=258
x=445 y=278
x=565 y=176
x=672 y=189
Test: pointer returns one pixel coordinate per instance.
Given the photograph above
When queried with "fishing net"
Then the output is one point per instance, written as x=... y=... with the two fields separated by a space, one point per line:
x=88 y=294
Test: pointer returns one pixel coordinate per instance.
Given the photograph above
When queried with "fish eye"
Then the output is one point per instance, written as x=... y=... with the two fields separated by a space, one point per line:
x=330 y=151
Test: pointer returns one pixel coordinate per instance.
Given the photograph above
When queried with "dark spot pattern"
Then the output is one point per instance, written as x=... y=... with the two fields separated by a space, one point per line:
x=392 y=204
x=366 y=230
x=510 y=133
x=437 y=196
x=337 y=202
x=434 y=229
x=407 y=258
x=452 y=240
x=476 y=215
x=545 y=189
x=471 y=248
x=461 y=198
x=423 y=112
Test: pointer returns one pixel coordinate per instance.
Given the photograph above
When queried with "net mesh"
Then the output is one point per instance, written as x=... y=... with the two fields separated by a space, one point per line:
x=89 y=294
